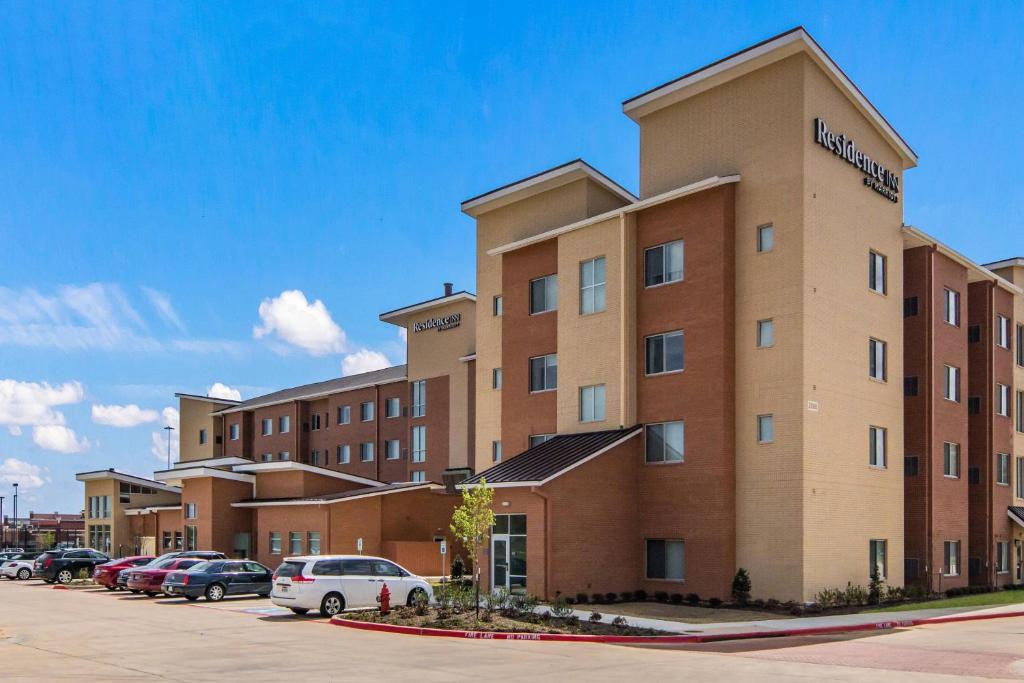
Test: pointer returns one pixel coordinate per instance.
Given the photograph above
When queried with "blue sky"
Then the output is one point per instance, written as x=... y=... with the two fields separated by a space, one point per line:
x=181 y=183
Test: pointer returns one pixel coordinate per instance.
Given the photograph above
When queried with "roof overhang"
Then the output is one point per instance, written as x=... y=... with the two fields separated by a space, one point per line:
x=322 y=501
x=308 y=397
x=209 y=462
x=180 y=475
x=755 y=57
x=131 y=512
x=395 y=315
x=679 y=192
x=1016 y=514
x=207 y=399
x=543 y=182
x=127 y=478
x=1015 y=262
x=293 y=466
x=915 y=237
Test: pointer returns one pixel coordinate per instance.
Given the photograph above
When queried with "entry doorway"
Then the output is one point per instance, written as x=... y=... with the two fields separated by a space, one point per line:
x=242 y=546
x=508 y=553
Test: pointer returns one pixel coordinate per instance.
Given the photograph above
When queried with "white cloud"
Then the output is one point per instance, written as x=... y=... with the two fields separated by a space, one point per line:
x=218 y=390
x=363 y=360
x=58 y=438
x=403 y=334
x=26 y=475
x=31 y=403
x=297 y=322
x=15 y=430
x=122 y=416
x=158 y=439
x=162 y=304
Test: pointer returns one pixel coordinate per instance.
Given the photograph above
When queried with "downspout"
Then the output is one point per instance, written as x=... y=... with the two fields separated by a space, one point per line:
x=930 y=418
x=990 y=307
x=547 y=541
x=377 y=451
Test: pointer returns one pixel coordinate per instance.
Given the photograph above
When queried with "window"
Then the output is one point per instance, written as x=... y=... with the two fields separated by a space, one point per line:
x=876 y=359
x=877 y=558
x=202 y=437
x=973 y=334
x=314 y=422
x=1003 y=469
x=366 y=411
x=544 y=294
x=419 y=398
x=1002 y=331
x=1020 y=345
x=592 y=403
x=951 y=383
x=1020 y=411
x=538 y=439
x=495 y=451
x=392 y=408
x=496 y=378
x=876 y=272
x=1002 y=400
x=313 y=540
x=544 y=373
x=951 y=460
x=165 y=541
x=665 y=442
x=191 y=542
x=910 y=386
x=190 y=511
x=366 y=451
x=419 y=443
x=911 y=306
x=125 y=493
x=418 y=476
x=344 y=415
x=951 y=311
x=765 y=334
x=275 y=542
x=666 y=559
x=266 y=457
x=664 y=352
x=1002 y=557
x=392 y=449
x=951 y=558
x=294 y=543
x=268 y=426
x=233 y=432
x=592 y=281
x=910 y=466
x=765 y=238
x=496 y=305
x=1020 y=477
x=284 y=455
x=765 y=428
x=344 y=454
x=284 y=424
x=314 y=458
x=663 y=264
x=876 y=448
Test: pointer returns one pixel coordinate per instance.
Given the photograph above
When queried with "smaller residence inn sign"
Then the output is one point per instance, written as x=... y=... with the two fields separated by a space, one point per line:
x=440 y=324
x=877 y=177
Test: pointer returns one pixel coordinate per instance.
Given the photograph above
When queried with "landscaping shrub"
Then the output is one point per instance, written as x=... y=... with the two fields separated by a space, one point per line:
x=421 y=604
x=676 y=598
x=458 y=568
x=715 y=602
x=581 y=598
x=620 y=622
x=595 y=617
x=796 y=610
x=640 y=595
x=545 y=616
x=759 y=603
x=741 y=586
x=661 y=596
x=856 y=595
x=597 y=597
x=560 y=607
x=875 y=587
x=826 y=597
x=572 y=620
x=627 y=596
x=609 y=597
x=894 y=594
x=771 y=603
x=692 y=599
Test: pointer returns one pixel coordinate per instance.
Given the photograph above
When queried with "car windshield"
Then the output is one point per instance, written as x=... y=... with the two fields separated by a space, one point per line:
x=290 y=569
x=165 y=564
x=201 y=567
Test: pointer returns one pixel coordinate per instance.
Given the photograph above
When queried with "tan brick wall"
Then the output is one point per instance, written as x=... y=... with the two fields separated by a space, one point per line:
x=195 y=415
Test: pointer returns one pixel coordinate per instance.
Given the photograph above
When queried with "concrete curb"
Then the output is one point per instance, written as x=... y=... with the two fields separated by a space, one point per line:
x=672 y=639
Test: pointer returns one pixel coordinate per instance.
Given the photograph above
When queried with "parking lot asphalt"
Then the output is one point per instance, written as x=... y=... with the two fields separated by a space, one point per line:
x=93 y=635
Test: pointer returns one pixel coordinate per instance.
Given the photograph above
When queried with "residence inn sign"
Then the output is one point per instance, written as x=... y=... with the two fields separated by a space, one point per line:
x=878 y=177
x=441 y=324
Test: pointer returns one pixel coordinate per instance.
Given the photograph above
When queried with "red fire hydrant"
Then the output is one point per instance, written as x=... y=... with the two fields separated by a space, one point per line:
x=385 y=600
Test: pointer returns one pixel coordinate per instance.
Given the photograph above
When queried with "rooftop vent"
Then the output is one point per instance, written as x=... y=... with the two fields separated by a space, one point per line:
x=448 y=288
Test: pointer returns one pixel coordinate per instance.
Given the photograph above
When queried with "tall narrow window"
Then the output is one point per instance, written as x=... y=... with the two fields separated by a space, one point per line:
x=1003 y=469
x=496 y=306
x=419 y=398
x=876 y=446
x=366 y=411
x=314 y=422
x=268 y=426
x=1020 y=345
x=765 y=428
x=1020 y=477
x=1002 y=557
x=366 y=451
x=1020 y=411
x=665 y=442
x=344 y=454
x=202 y=437
x=765 y=238
x=951 y=383
x=284 y=424
x=876 y=359
x=951 y=460
x=663 y=264
x=275 y=542
x=951 y=561
x=876 y=272
x=544 y=294
x=392 y=449
x=314 y=542
x=496 y=378
x=951 y=311
x=419 y=443
x=392 y=407
x=233 y=432
x=765 y=334
x=544 y=373
x=294 y=543
x=495 y=451
x=344 y=415
x=1002 y=400
x=1002 y=331
x=592 y=403
x=592 y=281
x=877 y=561
x=664 y=352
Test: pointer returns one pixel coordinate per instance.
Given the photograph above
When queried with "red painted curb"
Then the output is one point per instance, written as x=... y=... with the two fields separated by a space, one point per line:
x=59 y=587
x=673 y=639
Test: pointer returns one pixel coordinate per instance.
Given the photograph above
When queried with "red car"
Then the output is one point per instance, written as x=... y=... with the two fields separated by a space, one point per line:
x=148 y=579
x=106 y=574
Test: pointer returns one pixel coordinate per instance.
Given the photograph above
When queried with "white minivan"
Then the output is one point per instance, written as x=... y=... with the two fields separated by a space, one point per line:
x=334 y=583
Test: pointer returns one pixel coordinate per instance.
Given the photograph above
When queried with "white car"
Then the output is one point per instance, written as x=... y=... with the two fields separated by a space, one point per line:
x=334 y=583
x=17 y=566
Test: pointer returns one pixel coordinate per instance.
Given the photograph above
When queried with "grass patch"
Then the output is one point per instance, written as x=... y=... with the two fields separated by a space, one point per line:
x=994 y=599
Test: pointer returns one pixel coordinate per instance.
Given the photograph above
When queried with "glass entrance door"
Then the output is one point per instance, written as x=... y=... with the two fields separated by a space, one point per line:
x=508 y=553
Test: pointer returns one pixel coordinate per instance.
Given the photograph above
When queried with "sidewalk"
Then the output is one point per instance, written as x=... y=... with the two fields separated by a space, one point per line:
x=782 y=626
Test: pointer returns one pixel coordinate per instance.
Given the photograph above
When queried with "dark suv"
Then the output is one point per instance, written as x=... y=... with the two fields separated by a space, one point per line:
x=62 y=566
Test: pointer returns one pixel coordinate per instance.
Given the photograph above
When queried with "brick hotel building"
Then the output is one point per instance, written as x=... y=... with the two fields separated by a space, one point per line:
x=754 y=363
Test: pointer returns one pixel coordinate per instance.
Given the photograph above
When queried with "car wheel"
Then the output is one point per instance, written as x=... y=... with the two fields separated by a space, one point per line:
x=332 y=604
x=111 y=588
x=64 y=576
x=299 y=610
x=151 y=594
x=191 y=598
x=215 y=592
x=47 y=580
x=134 y=592
x=414 y=595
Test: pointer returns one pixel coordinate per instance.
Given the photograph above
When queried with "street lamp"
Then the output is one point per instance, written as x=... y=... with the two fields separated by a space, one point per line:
x=15 y=513
x=3 y=527
x=169 y=429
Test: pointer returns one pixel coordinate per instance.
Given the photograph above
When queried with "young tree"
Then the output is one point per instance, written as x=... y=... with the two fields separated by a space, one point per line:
x=471 y=524
x=741 y=586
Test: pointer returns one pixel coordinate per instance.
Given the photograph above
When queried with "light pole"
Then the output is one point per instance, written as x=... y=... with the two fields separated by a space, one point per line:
x=15 y=513
x=169 y=429
x=3 y=527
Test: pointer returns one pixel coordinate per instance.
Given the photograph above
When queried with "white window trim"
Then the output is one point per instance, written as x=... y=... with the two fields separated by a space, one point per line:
x=594 y=286
x=681 y=333
x=530 y=378
x=682 y=273
x=530 y=294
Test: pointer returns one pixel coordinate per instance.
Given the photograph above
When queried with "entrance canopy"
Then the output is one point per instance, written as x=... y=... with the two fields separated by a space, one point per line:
x=1016 y=513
